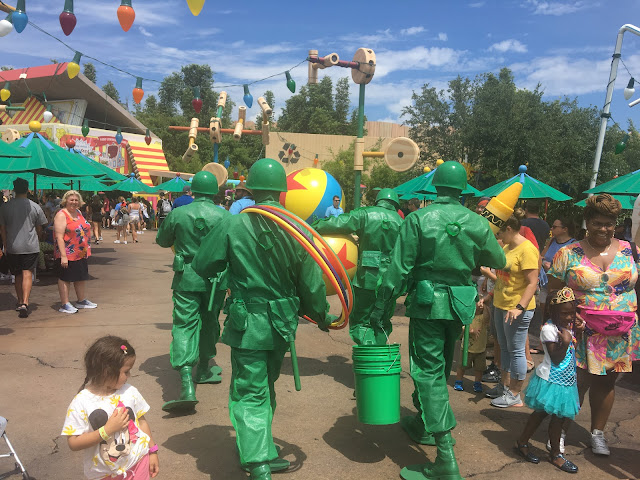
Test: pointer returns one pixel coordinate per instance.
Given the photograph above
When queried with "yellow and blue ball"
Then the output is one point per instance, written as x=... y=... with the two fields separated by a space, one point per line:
x=346 y=249
x=311 y=192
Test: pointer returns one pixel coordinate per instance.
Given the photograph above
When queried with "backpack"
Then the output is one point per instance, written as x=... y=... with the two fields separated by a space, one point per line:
x=166 y=207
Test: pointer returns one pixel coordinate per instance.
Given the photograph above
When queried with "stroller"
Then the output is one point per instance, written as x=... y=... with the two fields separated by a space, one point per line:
x=19 y=467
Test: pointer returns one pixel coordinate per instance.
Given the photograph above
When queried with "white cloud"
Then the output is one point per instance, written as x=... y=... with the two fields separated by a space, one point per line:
x=145 y=32
x=412 y=30
x=443 y=37
x=557 y=8
x=509 y=45
x=417 y=58
x=476 y=4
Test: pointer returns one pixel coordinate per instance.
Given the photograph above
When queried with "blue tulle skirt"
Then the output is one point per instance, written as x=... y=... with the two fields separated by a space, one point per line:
x=558 y=400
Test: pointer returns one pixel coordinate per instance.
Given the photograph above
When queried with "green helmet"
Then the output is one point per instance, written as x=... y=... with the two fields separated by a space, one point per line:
x=450 y=174
x=267 y=174
x=388 y=194
x=204 y=183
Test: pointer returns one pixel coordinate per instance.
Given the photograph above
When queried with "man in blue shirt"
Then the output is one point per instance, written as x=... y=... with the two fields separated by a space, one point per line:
x=244 y=199
x=334 y=210
x=184 y=199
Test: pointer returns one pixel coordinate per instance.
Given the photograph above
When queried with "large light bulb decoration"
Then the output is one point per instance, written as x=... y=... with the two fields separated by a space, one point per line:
x=47 y=115
x=196 y=103
x=68 y=18
x=248 y=98
x=291 y=83
x=6 y=26
x=195 y=6
x=119 y=136
x=85 y=128
x=147 y=137
x=629 y=91
x=138 y=92
x=126 y=15
x=19 y=17
x=5 y=93
x=73 y=67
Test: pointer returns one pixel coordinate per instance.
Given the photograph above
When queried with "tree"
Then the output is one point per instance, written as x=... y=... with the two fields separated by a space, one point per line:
x=110 y=89
x=89 y=71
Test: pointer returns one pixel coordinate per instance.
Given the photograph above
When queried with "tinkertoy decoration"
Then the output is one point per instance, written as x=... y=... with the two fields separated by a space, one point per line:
x=242 y=115
x=126 y=15
x=266 y=113
x=10 y=135
x=138 y=92
x=401 y=154
x=9 y=108
x=363 y=67
x=193 y=133
x=67 y=18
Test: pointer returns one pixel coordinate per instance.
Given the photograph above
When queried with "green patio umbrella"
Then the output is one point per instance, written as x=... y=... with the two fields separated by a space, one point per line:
x=45 y=182
x=130 y=184
x=10 y=151
x=626 y=184
x=421 y=196
x=422 y=185
x=627 y=201
x=108 y=173
x=531 y=188
x=175 y=185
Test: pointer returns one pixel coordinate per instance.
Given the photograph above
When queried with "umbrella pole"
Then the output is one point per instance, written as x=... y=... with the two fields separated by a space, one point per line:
x=34 y=183
x=546 y=206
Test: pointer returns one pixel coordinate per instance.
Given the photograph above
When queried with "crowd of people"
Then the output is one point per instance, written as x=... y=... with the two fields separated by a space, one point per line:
x=573 y=295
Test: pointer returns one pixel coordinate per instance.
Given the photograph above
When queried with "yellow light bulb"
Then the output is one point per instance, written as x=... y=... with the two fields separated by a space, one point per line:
x=195 y=6
x=73 y=69
x=5 y=94
x=439 y=162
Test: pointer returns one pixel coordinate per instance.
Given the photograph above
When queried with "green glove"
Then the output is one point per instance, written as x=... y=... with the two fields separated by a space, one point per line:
x=328 y=320
x=375 y=320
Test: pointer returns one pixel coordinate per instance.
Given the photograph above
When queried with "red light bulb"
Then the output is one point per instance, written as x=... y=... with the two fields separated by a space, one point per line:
x=71 y=143
x=197 y=104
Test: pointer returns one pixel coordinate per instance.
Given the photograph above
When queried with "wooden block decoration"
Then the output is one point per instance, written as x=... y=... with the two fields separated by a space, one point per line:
x=219 y=171
x=193 y=130
x=266 y=109
x=313 y=68
x=10 y=135
x=401 y=154
x=215 y=130
x=191 y=150
x=367 y=60
x=331 y=60
x=242 y=115
x=222 y=99
x=265 y=133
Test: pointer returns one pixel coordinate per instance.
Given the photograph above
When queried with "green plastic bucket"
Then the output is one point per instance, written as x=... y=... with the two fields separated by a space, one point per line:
x=377 y=374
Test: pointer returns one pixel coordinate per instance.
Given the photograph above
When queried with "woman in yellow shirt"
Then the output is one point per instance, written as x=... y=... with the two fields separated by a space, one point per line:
x=514 y=304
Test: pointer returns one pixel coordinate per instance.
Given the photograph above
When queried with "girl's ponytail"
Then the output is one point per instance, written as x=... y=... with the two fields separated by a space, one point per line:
x=86 y=380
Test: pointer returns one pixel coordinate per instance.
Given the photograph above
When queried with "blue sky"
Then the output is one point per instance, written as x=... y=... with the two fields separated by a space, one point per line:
x=566 y=46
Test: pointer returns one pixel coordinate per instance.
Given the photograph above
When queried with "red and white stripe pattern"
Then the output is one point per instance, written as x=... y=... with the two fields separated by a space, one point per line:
x=148 y=157
x=33 y=110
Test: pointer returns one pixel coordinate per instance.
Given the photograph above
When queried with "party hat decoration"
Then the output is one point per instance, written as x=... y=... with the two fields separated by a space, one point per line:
x=500 y=207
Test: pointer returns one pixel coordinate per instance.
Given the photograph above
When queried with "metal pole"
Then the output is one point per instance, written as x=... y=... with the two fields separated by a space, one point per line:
x=605 y=115
x=358 y=160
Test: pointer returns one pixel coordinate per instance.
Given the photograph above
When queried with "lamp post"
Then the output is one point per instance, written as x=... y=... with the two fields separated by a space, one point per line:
x=605 y=115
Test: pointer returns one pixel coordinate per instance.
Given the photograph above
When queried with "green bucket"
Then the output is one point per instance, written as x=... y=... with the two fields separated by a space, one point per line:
x=377 y=374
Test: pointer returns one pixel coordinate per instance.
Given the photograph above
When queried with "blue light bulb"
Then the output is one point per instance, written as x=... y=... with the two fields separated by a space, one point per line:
x=227 y=163
x=248 y=98
x=20 y=20
x=119 y=136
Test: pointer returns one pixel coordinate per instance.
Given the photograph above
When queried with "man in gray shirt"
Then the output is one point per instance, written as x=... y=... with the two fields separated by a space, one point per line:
x=21 y=222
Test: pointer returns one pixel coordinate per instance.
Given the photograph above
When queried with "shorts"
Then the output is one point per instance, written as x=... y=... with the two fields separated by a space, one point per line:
x=96 y=217
x=77 y=271
x=123 y=221
x=477 y=361
x=19 y=262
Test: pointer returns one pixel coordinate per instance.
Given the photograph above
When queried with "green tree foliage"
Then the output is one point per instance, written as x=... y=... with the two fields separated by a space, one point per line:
x=316 y=109
x=173 y=107
x=89 y=71
x=110 y=89
x=341 y=168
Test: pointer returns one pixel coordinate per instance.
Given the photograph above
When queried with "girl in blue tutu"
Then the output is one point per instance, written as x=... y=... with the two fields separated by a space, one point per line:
x=553 y=389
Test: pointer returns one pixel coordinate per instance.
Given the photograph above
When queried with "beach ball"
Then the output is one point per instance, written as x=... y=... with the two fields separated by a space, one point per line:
x=346 y=249
x=311 y=192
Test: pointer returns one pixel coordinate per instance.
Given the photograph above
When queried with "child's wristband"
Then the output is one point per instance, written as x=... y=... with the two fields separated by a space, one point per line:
x=103 y=434
x=154 y=449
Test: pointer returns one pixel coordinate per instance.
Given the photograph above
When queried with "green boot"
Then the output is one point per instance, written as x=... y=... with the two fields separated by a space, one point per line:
x=276 y=465
x=444 y=468
x=206 y=374
x=414 y=426
x=260 y=471
x=187 y=398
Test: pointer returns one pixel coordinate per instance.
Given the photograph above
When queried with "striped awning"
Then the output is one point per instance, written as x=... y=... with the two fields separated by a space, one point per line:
x=33 y=110
x=144 y=158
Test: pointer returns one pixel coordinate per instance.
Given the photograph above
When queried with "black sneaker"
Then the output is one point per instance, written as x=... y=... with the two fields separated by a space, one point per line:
x=491 y=374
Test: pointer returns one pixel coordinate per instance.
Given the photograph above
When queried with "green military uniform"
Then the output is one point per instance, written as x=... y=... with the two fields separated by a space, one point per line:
x=196 y=329
x=377 y=228
x=272 y=280
x=437 y=247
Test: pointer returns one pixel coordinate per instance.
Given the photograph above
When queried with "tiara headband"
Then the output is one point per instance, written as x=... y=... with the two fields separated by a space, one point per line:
x=124 y=349
x=564 y=295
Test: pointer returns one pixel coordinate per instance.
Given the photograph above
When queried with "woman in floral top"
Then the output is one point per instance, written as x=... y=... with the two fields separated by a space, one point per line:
x=72 y=247
x=601 y=271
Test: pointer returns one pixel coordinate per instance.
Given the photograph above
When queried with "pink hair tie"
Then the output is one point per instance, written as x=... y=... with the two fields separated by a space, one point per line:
x=124 y=349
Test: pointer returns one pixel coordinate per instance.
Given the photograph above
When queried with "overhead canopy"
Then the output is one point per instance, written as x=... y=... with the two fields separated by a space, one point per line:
x=11 y=151
x=174 y=185
x=626 y=184
x=45 y=182
x=130 y=184
x=107 y=172
x=531 y=188
x=422 y=185
x=627 y=201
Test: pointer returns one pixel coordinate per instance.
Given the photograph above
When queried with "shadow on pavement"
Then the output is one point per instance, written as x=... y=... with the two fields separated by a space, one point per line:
x=202 y=442
x=7 y=301
x=362 y=443
x=6 y=331
x=336 y=366
x=168 y=379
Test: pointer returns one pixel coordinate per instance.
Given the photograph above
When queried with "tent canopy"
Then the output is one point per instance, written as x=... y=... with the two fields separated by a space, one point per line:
x=531 y=188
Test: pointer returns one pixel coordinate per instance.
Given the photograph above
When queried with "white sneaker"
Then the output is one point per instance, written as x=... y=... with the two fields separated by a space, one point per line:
x=599 y=443
x=125 y=242
x=67 y=308
x=86 y=304
x=138 y=232
x=117 y=241
x=562 y=436
x=99 y=238
x=144 y=228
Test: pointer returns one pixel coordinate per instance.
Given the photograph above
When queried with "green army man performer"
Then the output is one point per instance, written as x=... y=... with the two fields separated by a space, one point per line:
x=377 y=228
x=196 y=329
x=437 y=248
x=272 y=280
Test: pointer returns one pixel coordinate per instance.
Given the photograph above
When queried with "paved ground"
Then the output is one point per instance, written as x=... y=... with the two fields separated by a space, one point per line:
x=41 y=370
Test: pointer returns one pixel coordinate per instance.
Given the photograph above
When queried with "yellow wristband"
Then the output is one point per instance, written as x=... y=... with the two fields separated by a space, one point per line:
x=103 y=434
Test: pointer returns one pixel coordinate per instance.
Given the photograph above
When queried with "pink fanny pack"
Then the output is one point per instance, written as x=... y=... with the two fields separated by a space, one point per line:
x=609 y=322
